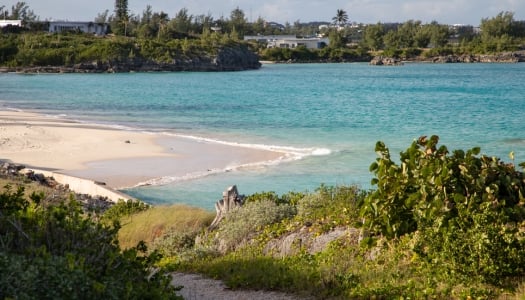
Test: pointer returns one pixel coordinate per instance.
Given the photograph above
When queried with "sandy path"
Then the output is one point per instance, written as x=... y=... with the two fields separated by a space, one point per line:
x=197 y=287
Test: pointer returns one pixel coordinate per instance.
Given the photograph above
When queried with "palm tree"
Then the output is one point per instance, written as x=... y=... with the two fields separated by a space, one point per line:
x=340 y=18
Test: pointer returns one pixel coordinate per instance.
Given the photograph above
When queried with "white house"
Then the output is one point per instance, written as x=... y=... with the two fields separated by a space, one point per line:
x=4 y=23
x=289 y=41
x=86 y=27
x=267 y=38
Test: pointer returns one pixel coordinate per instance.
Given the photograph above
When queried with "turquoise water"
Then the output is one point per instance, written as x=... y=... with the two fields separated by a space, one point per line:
x=329 y=116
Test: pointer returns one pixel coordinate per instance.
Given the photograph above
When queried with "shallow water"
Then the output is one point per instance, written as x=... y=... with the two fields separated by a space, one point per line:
x=327 y=117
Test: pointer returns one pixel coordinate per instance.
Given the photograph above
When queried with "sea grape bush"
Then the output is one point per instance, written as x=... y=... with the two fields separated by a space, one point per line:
x=466 y=208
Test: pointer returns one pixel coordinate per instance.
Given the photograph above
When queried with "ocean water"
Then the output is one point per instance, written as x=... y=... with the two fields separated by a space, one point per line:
x=328 y=117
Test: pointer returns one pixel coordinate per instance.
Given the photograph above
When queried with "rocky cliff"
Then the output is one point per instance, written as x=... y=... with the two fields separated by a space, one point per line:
x=235 y=58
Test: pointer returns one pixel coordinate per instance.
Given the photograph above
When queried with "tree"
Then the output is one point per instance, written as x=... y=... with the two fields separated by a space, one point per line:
x=238 y=21
x=21 y=11
x=336 y=39
x=407 y=32
x=373 y=36
x=202 y=23
x=498 y=26
x=181 y=24
x=439 y=34
x=341 y=17
x=147 y=15
x=392 y=40
x=102 y=17
x=121 y=16
x=146 y=28
x=497 y=34
x=161 y=20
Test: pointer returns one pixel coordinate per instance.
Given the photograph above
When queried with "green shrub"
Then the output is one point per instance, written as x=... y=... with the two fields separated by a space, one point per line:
x=291 y=198
x=243 y=222
x=330 y=207
x=124 y=208
x=55 y=251
x=173 y=242
x=467 y=208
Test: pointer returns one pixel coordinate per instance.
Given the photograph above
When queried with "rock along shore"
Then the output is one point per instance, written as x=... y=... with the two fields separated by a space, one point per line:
x=505 y=57
x=233 y=58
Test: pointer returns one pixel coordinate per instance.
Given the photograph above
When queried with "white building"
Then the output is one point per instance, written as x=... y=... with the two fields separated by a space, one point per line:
x=289 y=41
x=86 y=27
x=4 y=23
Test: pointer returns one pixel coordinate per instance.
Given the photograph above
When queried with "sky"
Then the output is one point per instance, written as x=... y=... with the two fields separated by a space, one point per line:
x=361 y=11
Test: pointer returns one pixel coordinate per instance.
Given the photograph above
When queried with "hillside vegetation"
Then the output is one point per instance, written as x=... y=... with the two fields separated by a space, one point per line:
x=91 y=53
x=186 y=41
x=438 y=224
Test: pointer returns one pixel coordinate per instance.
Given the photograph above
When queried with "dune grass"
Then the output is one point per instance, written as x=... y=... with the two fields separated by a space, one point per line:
x=154 y=222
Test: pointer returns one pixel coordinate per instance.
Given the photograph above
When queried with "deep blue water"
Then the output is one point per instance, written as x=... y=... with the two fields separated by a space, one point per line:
x=332 y=114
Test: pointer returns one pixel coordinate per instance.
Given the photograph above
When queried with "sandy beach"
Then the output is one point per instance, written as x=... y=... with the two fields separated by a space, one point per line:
x=120 y=158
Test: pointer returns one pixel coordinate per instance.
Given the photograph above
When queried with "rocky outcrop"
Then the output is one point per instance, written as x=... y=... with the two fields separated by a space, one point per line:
x=234 y=58
x=293 y=243
x=507 y=57
x=89 y=203
x=386 y=61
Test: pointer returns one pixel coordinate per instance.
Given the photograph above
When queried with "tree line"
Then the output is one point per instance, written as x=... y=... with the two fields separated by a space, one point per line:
x=497 y=34
x=358 y=42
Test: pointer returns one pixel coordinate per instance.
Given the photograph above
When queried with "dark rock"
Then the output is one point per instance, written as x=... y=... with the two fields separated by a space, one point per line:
x=89 y=203
x=10 y=169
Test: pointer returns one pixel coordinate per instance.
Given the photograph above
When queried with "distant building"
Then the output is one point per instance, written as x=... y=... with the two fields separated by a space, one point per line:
x=267 y=38
x=4 y=23
x=289 y=41
x=86 y=27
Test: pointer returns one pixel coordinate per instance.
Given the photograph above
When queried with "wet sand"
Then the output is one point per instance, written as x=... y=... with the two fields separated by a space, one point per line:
x=120 y=158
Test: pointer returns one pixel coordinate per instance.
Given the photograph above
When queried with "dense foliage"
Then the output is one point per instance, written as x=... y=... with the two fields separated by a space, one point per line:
x=56 y=252
x=41 y=49
x=439 y=224
x=467 y=209
x=497 y=34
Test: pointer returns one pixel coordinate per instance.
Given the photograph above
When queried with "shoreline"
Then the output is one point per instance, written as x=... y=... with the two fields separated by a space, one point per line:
x=116 y=157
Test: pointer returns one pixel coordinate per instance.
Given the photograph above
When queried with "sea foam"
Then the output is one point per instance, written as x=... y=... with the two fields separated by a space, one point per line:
x=289 y=154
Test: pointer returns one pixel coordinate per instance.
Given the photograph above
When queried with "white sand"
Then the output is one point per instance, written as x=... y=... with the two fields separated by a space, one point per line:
x=119 y=158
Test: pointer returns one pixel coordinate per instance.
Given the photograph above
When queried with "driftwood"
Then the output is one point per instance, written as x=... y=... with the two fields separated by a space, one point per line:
x=230 y=200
